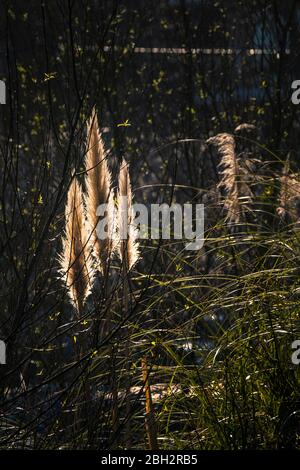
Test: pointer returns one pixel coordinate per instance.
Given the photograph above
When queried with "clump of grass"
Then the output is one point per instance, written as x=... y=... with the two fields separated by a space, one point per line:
x=223 y=334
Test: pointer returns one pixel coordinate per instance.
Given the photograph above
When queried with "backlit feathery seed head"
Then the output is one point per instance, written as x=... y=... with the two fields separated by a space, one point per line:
x=98 y=192
x=233 y=177
x=245 y=127
x=75 y=259
x=127 y=231
x=289 y=197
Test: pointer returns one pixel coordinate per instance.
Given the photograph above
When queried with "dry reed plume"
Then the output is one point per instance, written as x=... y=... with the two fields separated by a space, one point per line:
x=75 y=259
x=289 y=196
x=128 y=234
x=233 y=177
x=99 y=191
x=245 y=127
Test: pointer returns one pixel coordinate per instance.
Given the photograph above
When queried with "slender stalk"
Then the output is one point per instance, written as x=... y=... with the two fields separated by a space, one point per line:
x=129 y=254
x=150 y=423
x=127 y=358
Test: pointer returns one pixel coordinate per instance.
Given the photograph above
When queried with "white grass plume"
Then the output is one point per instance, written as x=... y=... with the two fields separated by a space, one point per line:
x=75 y=258
x=233 y=177
x=289 y=196
x=245 y=127
x=128 y=248
x=98 y=191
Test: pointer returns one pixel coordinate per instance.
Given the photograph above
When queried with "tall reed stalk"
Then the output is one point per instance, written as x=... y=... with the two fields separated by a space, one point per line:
x=76 y=266
x=99 y=192
x=129 y=254
x=150 y=423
